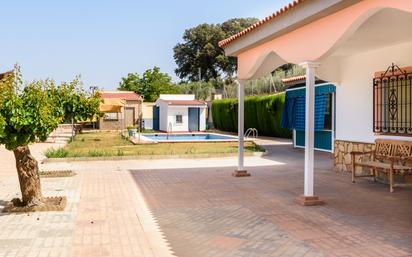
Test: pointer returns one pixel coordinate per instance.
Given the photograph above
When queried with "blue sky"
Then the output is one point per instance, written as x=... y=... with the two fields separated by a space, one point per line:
x=104 y=40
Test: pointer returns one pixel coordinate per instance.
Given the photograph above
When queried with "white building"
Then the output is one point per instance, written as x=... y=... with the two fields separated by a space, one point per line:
x=362 y=47
x=179 y=113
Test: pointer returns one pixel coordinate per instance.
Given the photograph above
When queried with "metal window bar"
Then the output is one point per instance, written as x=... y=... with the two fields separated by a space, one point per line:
x=392 y=102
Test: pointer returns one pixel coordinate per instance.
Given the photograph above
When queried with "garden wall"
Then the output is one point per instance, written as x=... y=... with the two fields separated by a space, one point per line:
x=261 y=112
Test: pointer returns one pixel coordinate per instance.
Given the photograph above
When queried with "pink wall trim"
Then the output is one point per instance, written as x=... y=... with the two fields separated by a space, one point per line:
x=313 y=41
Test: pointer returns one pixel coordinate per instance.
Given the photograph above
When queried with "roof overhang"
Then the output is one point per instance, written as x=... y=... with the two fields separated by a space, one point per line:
x=358 y=28
x=304 y=13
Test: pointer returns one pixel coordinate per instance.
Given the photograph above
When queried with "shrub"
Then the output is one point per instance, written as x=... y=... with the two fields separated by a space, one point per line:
x=56 y=153
x=261 y=112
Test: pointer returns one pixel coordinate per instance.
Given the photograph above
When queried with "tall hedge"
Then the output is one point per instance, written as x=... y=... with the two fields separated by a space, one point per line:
x=261 y=112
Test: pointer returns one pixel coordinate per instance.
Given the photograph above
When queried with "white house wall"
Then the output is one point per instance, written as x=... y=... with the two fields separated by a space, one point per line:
x=178 y=127
x=202 y=121
x=163 y=112
x=176 y=97
x=354 y=92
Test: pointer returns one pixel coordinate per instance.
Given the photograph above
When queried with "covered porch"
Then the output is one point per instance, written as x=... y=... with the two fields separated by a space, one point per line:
x=342 y=42
x=204 y=212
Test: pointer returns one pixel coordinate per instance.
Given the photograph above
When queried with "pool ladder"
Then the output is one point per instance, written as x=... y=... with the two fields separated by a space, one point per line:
x=169 y=130
x=251 y=132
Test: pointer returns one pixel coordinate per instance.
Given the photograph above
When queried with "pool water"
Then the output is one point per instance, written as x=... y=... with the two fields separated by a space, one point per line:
x=190 y=137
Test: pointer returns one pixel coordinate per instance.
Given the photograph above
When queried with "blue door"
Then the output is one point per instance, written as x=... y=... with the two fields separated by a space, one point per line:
x=193 y=119
x=156 y=125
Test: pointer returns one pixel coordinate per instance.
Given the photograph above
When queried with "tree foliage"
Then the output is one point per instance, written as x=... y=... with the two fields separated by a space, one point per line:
x=74 y=103
x=269 y=84
x=150 y=85
x=200 y=50
x=30 y=111
x=201 y=89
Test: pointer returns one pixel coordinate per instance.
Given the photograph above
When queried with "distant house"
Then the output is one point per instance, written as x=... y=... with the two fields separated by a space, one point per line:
x=179 y=113
x=120 y=108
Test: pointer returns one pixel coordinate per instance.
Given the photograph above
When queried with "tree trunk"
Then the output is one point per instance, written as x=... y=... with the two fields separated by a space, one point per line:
x=28 y=172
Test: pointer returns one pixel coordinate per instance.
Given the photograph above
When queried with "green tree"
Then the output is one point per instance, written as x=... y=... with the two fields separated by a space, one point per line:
x=201 y=90
x=150 y=85
x=75 y=103
x=201 y=54
x=30 y=112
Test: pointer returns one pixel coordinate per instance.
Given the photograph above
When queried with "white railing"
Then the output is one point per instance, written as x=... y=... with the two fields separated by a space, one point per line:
x=251 y=132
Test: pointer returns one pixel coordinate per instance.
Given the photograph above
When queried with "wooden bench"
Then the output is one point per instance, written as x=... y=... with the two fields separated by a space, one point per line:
x=390 y=156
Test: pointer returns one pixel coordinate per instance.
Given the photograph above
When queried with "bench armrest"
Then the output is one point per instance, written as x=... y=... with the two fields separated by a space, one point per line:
x=402 y=159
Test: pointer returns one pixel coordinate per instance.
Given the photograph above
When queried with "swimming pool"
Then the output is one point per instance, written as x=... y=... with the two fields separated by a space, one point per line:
x=205 y=137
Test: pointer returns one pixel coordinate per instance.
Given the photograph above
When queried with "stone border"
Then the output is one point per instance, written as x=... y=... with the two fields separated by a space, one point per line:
x=56 y=173
x=149 y=157
x=57 y=203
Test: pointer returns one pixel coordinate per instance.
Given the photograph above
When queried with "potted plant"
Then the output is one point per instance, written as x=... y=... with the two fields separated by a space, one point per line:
x=132 y=130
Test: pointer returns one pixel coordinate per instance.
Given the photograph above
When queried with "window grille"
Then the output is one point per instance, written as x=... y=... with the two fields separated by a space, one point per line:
x=392 y=101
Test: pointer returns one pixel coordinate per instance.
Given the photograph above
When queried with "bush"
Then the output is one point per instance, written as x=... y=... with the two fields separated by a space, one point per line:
x=56 y=153
x=261 y=112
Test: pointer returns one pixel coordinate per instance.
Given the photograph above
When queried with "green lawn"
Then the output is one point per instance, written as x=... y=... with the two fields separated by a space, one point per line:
x=112 y=144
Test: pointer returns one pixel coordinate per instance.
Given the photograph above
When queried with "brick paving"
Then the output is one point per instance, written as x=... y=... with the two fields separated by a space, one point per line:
x=206 y=212
x=40 y=233
x=141 y=208
x=105 y=215
x=108 y=223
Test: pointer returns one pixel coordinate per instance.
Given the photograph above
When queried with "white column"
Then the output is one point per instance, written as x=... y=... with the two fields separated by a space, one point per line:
x=241 y=123
x=309 y=127
x=240 y=171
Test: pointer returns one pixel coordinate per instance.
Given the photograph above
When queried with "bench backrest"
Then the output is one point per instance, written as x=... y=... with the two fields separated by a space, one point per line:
x=388 y=147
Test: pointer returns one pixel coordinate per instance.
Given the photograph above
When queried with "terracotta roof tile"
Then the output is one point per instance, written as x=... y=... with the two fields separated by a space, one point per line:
x=274 y=15
x=126 y=95
x=293 y=79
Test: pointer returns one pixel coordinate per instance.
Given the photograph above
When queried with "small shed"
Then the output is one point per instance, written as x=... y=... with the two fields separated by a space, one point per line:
x=293 y=116
x=179 y=113
x=120 y=109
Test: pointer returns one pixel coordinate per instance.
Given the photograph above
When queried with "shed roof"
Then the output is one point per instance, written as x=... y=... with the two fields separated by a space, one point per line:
x=126 y=95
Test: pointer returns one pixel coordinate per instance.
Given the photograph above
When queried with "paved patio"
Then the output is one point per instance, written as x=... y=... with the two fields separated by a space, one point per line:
x=205 y=212
x=139 y=208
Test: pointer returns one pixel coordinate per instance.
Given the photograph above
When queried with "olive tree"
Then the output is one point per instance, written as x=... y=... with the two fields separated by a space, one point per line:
x=30 y=112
